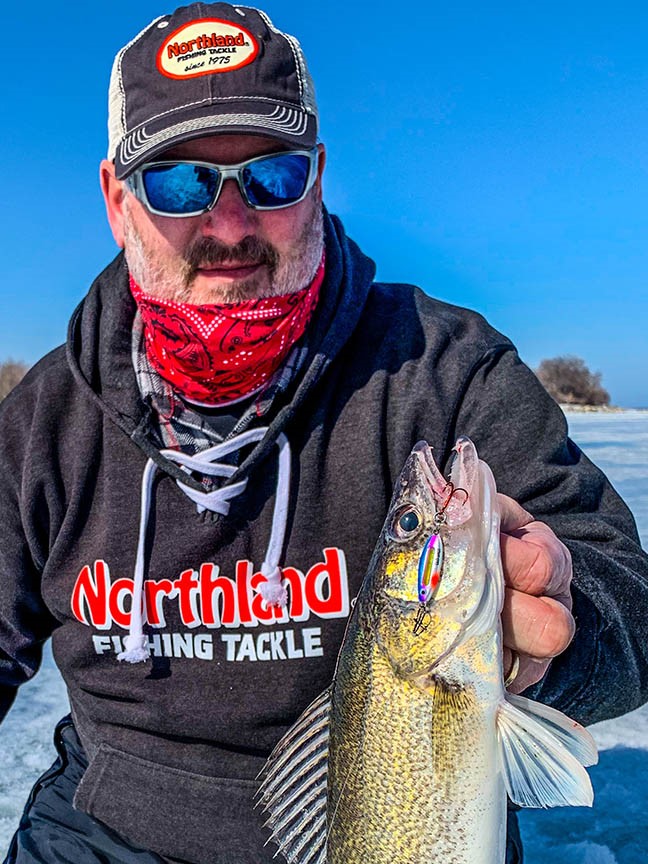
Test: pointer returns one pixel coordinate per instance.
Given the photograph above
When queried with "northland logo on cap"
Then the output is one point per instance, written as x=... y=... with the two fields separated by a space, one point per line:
x=205 y=46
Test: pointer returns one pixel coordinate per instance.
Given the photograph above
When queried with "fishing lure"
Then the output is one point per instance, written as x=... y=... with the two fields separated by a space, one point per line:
x=430 y=566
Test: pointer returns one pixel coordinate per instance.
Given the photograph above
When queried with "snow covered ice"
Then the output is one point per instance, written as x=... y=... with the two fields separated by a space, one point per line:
x=615 y=831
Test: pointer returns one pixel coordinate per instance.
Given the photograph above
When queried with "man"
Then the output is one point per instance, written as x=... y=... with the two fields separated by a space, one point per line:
x=221 y=434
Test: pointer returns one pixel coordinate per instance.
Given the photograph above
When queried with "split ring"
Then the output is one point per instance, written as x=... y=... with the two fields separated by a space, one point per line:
x=514 y=670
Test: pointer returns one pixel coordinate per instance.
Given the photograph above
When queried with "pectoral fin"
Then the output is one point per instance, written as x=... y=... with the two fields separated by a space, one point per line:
x=542 y=753
x=293 y=791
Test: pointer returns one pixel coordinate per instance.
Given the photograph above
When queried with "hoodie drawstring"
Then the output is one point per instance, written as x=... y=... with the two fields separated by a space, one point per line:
x=273 y=591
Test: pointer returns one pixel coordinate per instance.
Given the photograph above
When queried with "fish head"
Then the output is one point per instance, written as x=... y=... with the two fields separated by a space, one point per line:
x=430 y=570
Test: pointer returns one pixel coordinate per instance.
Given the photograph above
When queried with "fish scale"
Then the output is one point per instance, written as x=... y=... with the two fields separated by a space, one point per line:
x=408 y=757
x=398 y=779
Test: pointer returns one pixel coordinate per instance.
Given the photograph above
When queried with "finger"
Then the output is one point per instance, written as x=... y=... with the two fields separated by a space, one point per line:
x=535 y=561
x=541 y=627
x=512 y=514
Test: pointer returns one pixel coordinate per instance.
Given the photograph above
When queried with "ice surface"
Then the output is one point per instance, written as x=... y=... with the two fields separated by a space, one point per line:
x=618 y=444
x=26 y=747
x=614 y=831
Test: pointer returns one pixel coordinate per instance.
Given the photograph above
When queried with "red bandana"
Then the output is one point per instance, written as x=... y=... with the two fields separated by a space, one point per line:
x=219 y=353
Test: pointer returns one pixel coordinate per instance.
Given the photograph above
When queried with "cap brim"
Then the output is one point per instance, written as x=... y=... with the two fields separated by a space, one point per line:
x=292 y=125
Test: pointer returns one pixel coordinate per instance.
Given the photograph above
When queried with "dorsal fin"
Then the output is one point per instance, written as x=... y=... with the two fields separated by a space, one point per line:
x=293 y=791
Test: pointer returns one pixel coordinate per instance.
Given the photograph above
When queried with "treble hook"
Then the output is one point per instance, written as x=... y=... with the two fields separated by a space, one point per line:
x=422 y=620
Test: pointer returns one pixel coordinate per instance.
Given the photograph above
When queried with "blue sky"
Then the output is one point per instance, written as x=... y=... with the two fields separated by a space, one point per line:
x=494 y=153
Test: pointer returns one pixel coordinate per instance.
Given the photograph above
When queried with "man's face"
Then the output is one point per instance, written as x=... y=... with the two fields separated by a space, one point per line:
x=233 y=252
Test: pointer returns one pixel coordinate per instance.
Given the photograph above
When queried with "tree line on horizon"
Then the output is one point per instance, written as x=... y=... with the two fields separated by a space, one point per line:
x=567 y=379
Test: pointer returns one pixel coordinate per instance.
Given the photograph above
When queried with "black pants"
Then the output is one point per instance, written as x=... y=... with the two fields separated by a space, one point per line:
x=51 y=831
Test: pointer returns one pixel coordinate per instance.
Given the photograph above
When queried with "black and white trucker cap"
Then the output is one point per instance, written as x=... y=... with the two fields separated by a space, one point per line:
x=204 y=69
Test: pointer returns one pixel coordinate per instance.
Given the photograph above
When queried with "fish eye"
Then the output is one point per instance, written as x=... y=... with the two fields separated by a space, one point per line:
x=406 y=523
x=409 y=521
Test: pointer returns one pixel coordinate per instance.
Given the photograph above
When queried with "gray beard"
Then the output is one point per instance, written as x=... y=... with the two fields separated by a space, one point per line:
x=288 y=273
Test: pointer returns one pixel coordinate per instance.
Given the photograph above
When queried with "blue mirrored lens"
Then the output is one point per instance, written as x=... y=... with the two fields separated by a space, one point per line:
x=276 y=181
x=180 y=188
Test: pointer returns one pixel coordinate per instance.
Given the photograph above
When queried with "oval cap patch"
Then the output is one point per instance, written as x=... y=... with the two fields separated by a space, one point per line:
x=206 y=46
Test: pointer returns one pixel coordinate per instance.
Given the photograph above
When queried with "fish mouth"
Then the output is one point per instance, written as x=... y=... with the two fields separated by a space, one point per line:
x=435 y=480
x=457 y=507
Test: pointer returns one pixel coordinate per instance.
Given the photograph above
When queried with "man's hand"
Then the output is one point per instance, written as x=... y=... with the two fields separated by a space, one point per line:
x=536 y=619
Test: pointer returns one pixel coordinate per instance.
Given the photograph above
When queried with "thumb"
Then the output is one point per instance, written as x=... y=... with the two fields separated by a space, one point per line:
x=512 y=514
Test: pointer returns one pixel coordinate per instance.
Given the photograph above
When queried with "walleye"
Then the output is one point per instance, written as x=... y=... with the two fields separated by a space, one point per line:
x=408 y=757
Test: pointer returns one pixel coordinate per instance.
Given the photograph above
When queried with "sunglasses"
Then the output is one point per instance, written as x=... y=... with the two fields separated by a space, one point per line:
x=182 y=188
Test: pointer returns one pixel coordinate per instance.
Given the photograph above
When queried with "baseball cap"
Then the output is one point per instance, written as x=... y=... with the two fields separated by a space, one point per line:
x=207 y=68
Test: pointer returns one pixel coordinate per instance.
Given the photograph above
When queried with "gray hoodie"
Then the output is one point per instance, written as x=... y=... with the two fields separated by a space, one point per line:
x=175 y=742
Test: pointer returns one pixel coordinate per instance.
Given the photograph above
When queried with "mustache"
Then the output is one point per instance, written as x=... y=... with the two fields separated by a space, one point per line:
x=248 y=251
